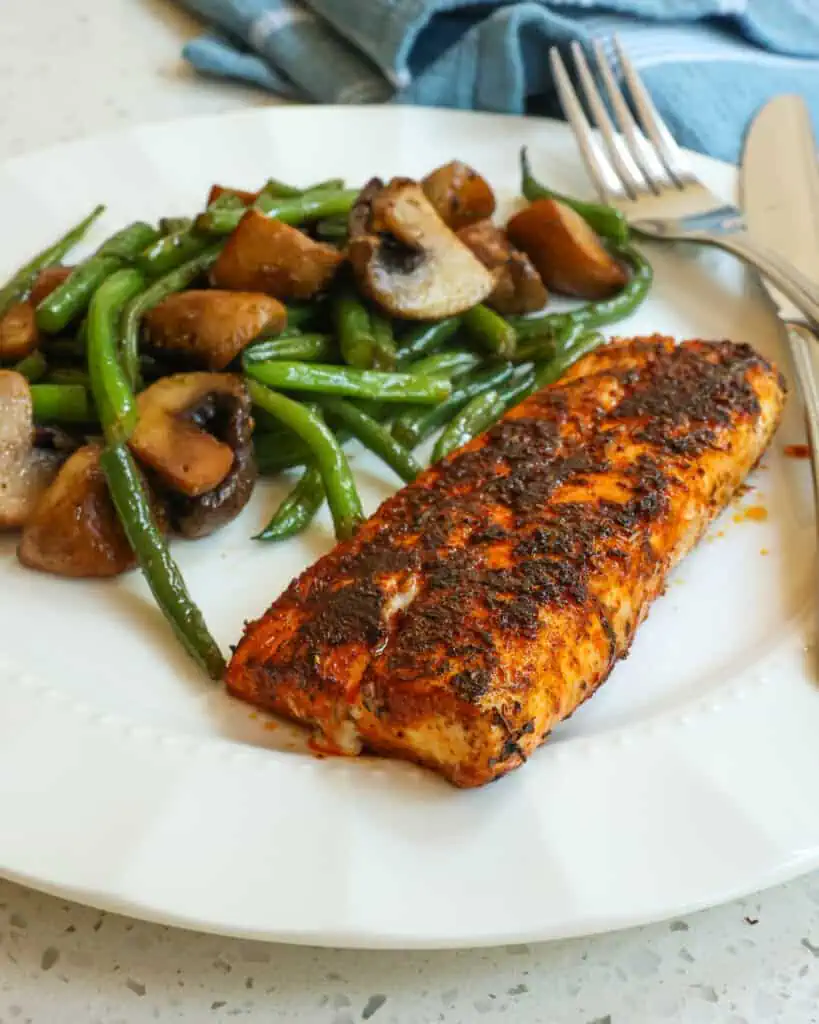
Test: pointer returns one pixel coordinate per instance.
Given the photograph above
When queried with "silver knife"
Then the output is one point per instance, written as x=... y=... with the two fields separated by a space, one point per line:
x=779 y=183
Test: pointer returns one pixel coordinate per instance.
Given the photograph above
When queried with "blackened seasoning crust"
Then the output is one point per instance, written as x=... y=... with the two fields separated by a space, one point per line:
x=485 y=601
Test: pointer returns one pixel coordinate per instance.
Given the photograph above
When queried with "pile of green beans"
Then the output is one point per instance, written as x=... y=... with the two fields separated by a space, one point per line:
x=341 y=369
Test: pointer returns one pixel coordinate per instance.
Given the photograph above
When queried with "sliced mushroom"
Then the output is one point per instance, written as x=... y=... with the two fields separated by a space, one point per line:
x=567 y=253
x=45 y=283
x=199 y=517
x=183 y=425
x=407 y=260
x=75 y=530
x=212 y=327
x=264 y=255
x=218 y=190
x=26 y=469
x=459 y=194
x=18 y=332
x=195 y=431
x=519 y=288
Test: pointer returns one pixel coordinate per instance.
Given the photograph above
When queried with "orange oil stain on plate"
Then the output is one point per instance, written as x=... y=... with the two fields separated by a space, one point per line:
x=797 y=451
x=753 y=514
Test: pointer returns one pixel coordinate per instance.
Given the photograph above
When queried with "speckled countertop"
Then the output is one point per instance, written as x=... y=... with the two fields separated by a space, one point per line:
x=92 y=65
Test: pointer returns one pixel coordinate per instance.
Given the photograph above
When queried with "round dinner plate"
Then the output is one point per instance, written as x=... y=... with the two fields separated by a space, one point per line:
x=130 y=782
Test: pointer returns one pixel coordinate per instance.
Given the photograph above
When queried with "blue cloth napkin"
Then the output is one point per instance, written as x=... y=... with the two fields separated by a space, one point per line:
x=709 y=64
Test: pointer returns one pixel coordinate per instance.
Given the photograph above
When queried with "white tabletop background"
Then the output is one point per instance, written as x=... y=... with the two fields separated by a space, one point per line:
x=69 y=68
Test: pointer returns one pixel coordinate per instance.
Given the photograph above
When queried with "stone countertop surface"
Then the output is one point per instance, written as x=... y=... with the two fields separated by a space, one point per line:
x=92 y=65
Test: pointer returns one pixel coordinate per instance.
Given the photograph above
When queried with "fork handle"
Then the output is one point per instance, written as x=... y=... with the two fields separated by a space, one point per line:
x=801 y=290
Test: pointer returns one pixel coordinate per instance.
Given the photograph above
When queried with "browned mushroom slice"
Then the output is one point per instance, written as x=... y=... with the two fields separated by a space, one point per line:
x=200 y=516
x=26 y=469
x=18 y=332
x=74 y=530
x=179 y=417
x=46 y=281
x=264 y=255
x=459 y=194
x=567 y=253
x=407 y=260
x=519 y=288
x=211 y=328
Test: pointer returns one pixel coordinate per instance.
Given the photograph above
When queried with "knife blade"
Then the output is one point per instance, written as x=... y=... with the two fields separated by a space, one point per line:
x=779 y=188
x=779 y=183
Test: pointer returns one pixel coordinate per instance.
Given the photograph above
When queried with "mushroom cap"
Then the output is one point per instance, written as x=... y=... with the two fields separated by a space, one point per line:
x=172 y=436
x=210 y=327
x=460 y=195
x=519 y=288
x=25 y=470
x=74 y=530
x=407 y=260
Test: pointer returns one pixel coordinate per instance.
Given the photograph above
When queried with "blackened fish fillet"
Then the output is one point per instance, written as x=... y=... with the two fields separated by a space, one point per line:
x=484 y=602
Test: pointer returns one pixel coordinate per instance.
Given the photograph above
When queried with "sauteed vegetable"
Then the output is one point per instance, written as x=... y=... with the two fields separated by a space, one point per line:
x=145 y=389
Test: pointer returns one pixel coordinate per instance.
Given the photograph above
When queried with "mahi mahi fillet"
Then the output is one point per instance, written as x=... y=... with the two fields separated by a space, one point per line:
x=488 y=599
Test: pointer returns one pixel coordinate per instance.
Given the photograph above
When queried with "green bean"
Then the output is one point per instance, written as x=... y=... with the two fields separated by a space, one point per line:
x=553 y=369
x=328 y=185
x=112 y=390
x=538 y=347
x=605 y=220
x=373 y=436
x=32 y=367
x=170 y=252
x=302 y=314
x=276 y=450
x=490 y=331
x=307 y=348
x=71 y=298
x=425 y=338
x=415 y=425
x=347 y=381
x=174 y=281
x=594 y=314
x=66 y=349
x=117 y=409
x=453 y=364
x=519 y=388
x=332 y=229
x=339 y=485
x=275 y=189
x=298 y=509
x=61 y=403
x=158 y=567
x=385 y=352
x=354 y=330
x=478 y=414
x=298 y=210
x=173 y=225
x=68 y=375
x=19 y=284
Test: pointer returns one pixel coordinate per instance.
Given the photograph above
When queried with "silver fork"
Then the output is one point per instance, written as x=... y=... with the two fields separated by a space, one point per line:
x=642 y=171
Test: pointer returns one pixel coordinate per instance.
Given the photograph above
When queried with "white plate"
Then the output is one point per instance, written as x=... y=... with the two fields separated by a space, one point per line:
x=129 y=782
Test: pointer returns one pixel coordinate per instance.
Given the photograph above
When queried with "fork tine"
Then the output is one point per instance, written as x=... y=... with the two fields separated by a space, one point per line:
x=650 y=120
x=640 y=148
x=624 y=164
x=597 y=163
